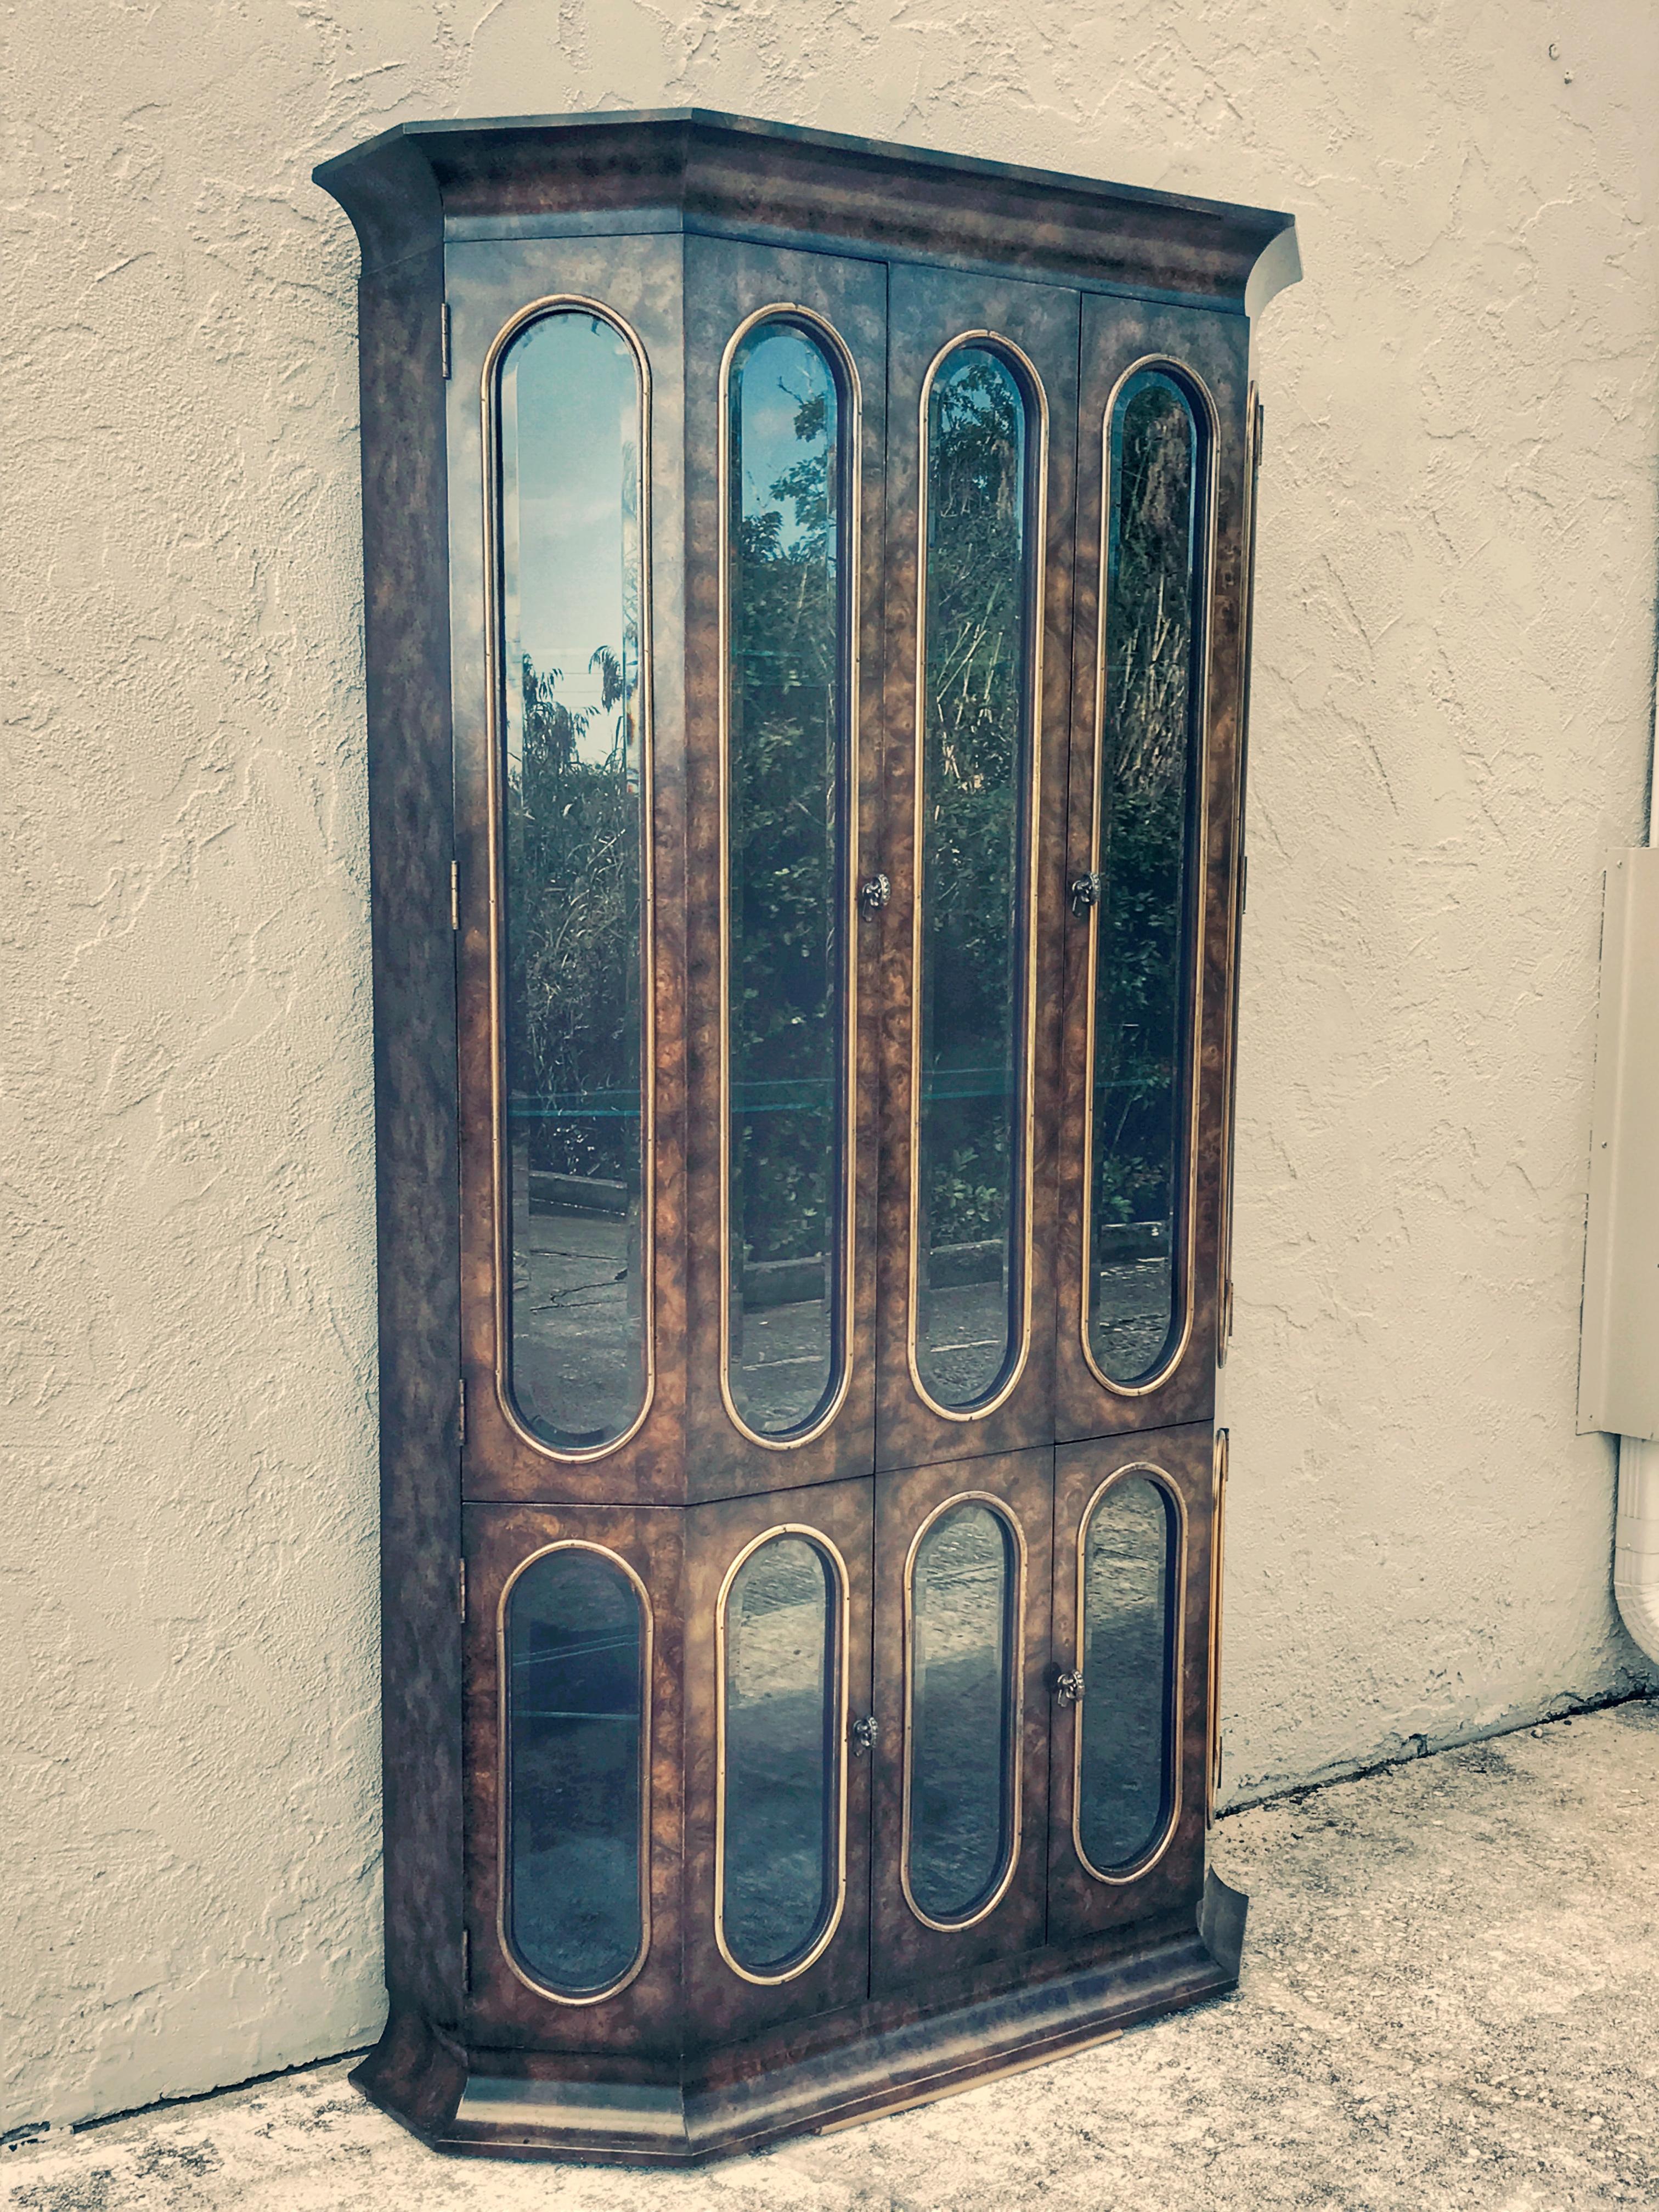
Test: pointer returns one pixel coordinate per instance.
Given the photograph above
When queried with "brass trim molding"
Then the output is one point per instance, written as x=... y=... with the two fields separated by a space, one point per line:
x=1014 y=1657
x=1036 y=398
x=820 y=1943
x=1195 y=390
x=568 y=303
x=1174 y=1601
x=850 y=391
x=504 y=1773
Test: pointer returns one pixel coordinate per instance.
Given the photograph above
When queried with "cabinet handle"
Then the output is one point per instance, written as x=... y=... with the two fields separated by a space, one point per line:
x=1068 y=1689
x=874 y=893
x=863 y=1734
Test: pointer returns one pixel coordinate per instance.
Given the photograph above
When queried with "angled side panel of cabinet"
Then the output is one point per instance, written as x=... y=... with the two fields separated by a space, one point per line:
x=1152 y=851
x=1132 y=1597
x=979 y=576
x=410 y=830
x=573 y=1254
x=784 y=439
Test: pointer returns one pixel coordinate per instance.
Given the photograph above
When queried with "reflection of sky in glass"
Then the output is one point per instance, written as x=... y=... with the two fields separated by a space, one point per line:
x=569 y=414
x=779 y=374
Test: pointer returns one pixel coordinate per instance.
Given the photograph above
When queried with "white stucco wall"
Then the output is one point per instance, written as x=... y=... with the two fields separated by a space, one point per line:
x=1454 y=688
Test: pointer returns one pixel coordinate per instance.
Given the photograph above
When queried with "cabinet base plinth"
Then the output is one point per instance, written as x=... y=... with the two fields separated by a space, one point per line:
x=497 y=2104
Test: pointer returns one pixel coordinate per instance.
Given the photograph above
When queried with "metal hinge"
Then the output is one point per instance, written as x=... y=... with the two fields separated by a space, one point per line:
x=461 y=1579
x=454 y=894
x=1258 y=429
x=443 y=341
x=1243 y=881
x=460 y=1400
x=466 y=1960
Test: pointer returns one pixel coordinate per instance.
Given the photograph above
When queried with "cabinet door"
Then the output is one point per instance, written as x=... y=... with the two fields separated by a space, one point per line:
x=785 y=357
x=1132 y=1602
x=981 y=412
x=961 y=1710
x=777 y=1813
x=1153 y=851
x=573 y=1752
x=566 y=524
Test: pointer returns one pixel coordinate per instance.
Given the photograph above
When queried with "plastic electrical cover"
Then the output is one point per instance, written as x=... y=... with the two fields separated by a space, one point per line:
x=1619 y=1356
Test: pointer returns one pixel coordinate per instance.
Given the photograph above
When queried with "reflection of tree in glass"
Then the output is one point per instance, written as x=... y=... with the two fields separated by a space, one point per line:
x=785 y=806
x=973 y=738
x=1145 y=768
x=573 y=934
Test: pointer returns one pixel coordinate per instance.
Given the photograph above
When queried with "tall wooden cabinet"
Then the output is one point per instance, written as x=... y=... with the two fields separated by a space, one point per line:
x=806 y=606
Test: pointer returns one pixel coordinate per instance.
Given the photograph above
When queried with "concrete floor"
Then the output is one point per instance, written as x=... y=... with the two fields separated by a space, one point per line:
x=1451 y=1998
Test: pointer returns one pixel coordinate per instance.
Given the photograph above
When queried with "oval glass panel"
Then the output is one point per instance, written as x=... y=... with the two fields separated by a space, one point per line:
x=1143 y=1072
x=1126 y=1721
x=963 y=1712
x=973 y=801
x=781 y=1785
x=573 y=985
x=787 y=770
x=576 y=1660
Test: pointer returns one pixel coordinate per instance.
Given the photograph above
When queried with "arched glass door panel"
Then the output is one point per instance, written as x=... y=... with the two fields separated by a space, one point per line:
x=981 y=535
x=1128 y=1608
x=782 y=1663
x=572 y=818
x=964 y=1601
x=575 y=1658
x=1143 y=1074
x=789 y=505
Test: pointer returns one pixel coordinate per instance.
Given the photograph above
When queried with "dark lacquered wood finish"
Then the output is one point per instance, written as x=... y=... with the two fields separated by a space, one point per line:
x=681 y=225
x=1118 y=337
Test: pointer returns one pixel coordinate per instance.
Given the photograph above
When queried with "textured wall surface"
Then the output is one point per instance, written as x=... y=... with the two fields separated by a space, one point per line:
x=1454 y=690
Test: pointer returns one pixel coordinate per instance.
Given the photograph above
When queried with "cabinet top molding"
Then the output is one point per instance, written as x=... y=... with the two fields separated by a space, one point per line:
x=422 y=184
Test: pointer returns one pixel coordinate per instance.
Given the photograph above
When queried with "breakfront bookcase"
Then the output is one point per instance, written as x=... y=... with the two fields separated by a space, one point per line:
x=806 y=624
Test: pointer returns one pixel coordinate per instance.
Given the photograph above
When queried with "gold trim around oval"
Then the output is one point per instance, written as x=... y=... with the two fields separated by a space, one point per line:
x=822 y=1940
x=573 y=303
x=1014 y=1365
x=1175 y=1587
x=839 y=353
x=1017 y=1723
x=503 y=1774
x=1195 y=388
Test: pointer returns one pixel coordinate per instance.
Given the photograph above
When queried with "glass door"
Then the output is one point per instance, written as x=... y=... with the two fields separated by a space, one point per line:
x=980 y=426
x=1153 y=831
x=962 y=1707
x=1131 y=1653
x=785 y=442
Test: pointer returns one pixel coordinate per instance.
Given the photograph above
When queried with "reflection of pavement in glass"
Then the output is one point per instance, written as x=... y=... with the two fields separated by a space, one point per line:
x=1124 y=1712
x=778 y=1787
x=961 y=1338
x=576 y=1362
x=1132 y=1316
x=957 y=1783
x=781 y=1363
